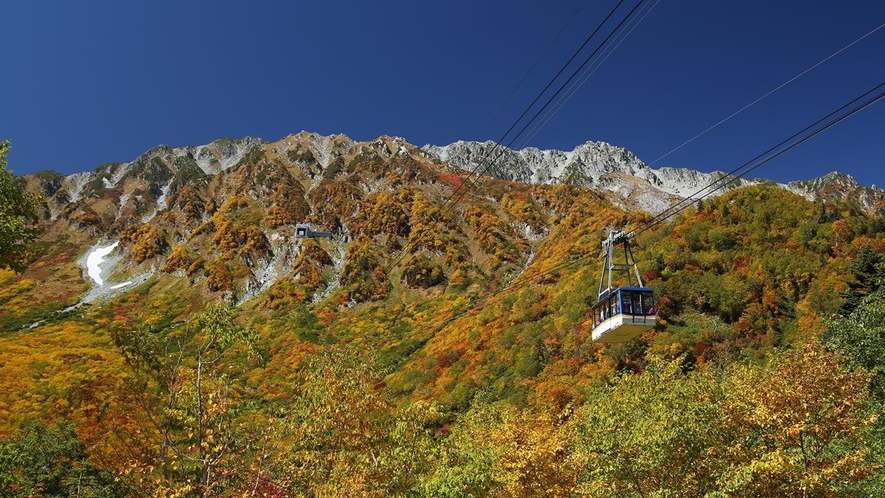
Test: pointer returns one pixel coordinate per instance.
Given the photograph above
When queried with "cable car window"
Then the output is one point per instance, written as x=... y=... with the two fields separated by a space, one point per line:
x=626 y=305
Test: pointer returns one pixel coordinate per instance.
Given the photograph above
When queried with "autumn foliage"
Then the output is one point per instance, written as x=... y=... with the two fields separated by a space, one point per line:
x=433 y=348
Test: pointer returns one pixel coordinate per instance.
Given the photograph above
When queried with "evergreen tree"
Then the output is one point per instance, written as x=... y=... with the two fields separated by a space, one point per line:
x=867 y=276
x=861 y=337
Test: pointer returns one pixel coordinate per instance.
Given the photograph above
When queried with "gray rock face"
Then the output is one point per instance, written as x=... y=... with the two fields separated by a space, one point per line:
x=840 y=186
x=593 y=164
x=584 y=165
x=830 y=180
x=631 y=183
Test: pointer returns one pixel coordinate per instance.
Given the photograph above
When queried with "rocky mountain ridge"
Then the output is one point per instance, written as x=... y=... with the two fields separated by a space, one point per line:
x=620 y=174
x=635 y=185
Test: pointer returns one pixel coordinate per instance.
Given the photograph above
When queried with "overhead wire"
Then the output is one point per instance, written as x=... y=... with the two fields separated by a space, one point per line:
x=766 y=95
x=551 y=99
x=748 y=166
x=590 y=70
x=721 y=182
x=729 y=177
x=539 y=96
x=586 y=75
x=770 y=154
x=468 y=184
x=529 y=70
x=525 y=75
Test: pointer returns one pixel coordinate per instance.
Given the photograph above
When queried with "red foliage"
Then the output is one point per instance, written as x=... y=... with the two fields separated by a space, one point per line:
x=445 y=360
x=455 y=180
x=269 y=489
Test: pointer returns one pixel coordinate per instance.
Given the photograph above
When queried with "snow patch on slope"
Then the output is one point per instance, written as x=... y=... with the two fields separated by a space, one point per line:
x=94 y=260
x=99 y=262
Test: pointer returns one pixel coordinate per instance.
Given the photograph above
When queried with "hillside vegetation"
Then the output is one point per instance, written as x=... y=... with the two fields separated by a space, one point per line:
x=431 y=348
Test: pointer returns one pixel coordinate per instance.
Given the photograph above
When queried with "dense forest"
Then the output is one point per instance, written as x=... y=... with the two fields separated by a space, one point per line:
x=435 y=352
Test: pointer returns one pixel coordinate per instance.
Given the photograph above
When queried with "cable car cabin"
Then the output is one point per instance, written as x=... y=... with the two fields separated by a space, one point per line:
x=623 y=313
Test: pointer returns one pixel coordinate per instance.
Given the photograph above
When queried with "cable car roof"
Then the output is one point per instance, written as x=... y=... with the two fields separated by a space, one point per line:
x=608 y=292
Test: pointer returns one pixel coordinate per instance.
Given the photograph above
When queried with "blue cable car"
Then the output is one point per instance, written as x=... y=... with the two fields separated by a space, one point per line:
x=621 y=313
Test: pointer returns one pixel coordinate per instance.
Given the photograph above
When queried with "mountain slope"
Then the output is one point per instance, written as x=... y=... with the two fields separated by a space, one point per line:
x=221 y=216
x=424 y=328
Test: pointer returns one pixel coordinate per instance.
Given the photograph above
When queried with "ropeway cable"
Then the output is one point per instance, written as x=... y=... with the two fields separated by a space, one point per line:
x=453 y=199
x=530 y=69
x=763 y=97
x=549 y=101
x=586 y=75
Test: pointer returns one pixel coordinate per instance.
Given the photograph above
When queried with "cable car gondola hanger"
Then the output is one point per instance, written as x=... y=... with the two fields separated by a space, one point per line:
x=621 y=313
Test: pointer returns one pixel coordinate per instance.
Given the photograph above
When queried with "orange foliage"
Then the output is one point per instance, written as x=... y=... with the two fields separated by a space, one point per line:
x=144 y=241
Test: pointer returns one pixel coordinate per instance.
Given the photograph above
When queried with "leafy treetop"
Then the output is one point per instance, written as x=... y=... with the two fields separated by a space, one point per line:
x=18 y=218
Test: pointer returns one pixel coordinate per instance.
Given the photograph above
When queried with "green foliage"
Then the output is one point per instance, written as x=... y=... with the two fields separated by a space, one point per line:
x=19 y=215
x=489 y=385
x=50 y=181
x=104 y=172
x=363 y=277
x=49 y=175
x=652 y=434
x=499 y=450
x=764 y=261
x=188 y=172
x=867 y=276
x=298 y=154
x=51 y=462
x=333 y=168
x=363 y=160
x=188 y=379
x=344 y=442
x=157 y=171
x=793 y=427
x=861 y=337
x=421 y=271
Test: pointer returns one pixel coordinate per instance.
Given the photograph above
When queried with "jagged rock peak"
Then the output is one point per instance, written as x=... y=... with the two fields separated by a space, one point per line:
x=841 y=186
x=583 y=165
x=833 y=179
x=591 y=164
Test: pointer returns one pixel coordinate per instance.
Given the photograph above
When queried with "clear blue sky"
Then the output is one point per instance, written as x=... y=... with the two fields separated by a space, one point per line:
x=84 y=83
